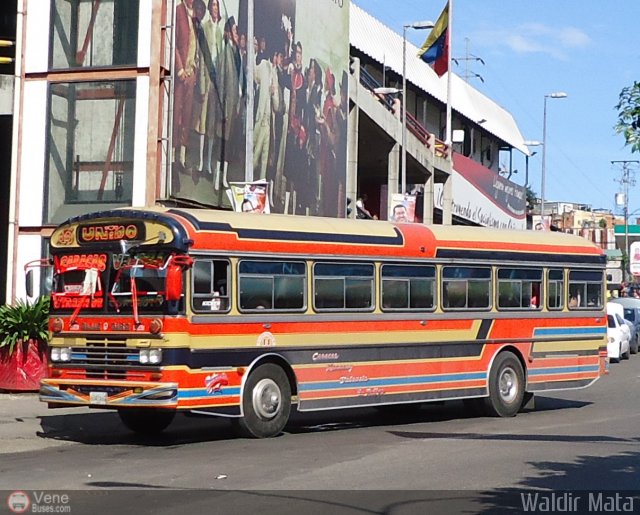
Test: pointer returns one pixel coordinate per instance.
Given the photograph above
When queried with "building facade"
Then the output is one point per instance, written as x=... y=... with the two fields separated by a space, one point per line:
x=138 y=102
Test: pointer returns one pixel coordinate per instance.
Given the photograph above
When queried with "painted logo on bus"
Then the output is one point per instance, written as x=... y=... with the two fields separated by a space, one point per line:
x=65 y=238
x=215 y=382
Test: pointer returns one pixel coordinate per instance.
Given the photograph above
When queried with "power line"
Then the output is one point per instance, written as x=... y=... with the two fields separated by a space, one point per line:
x=627 y=180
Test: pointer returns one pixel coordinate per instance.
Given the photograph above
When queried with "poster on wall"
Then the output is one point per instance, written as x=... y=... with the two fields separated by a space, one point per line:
x=209 y=100
x=250 y=197
x=634 y=258
x=483 y=197
x=297 y=102
x=403 y=208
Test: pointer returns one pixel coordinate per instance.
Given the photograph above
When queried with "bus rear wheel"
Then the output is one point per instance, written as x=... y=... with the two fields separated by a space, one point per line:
x=146 y=421
x=506 y=386
x=266 y=402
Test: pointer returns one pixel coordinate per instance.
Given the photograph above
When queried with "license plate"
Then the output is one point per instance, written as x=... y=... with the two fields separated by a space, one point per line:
x=98 y=397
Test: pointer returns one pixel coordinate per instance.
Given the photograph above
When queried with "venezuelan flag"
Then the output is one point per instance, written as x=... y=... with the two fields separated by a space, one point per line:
x=435 y=50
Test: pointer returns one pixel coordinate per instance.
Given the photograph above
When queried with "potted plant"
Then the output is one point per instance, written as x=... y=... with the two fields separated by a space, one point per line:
x=23 y=344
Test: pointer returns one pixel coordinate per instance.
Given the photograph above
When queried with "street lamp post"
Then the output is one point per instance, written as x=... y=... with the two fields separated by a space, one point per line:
x=529 y=143
x=419 y=25
x=558 y=94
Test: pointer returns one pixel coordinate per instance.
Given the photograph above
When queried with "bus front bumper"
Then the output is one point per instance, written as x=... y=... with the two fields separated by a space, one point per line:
x=108 y=394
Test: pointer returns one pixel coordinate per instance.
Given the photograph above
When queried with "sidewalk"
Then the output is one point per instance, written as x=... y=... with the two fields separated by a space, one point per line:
x=22 y=424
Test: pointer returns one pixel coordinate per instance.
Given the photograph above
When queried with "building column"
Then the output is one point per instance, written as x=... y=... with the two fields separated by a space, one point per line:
x=352 y=137
x=393 y=176
x=427 y=211
x=447 y=201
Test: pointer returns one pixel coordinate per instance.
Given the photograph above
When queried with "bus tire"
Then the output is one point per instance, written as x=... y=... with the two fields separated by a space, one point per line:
x=266 y=402
x=146 y=421
x=506 y=386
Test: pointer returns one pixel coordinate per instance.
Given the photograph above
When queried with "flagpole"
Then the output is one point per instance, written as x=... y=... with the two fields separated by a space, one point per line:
x=447 y=207
x=449 y=73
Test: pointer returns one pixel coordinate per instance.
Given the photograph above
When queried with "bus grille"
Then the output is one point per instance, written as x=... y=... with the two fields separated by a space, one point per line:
x=106 y=359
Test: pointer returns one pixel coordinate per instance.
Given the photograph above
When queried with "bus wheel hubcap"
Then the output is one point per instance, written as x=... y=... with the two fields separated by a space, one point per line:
x=508 y=384
x=266 y=398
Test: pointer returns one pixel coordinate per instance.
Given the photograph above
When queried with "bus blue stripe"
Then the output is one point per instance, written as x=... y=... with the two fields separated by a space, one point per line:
x=564 y=370
x=392 y=381
x=573 y=331
x=202 y=392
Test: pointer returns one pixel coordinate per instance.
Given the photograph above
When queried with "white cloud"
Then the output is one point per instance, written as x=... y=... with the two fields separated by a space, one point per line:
x=536 y=38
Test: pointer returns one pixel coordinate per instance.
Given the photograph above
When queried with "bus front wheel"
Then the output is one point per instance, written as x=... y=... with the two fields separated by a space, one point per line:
x=506 y=386
x=146 y=421
x=266 y=402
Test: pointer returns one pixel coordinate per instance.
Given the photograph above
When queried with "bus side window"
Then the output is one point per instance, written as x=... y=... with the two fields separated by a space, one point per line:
x=408 y=287
x=535 y=295
x=343 y=286
x=555 y=289
x=585 y=289
x=466 y=287
x=210 y=285
x=519 y=288
x=272 y=285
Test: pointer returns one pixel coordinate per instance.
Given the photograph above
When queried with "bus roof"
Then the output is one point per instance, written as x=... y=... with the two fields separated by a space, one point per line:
x=286 y=234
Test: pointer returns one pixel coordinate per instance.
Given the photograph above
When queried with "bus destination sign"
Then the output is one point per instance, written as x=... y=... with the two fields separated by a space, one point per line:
x=96 y=233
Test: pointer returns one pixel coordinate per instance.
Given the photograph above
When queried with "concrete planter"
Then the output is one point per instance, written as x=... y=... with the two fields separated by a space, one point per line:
x=24 y=367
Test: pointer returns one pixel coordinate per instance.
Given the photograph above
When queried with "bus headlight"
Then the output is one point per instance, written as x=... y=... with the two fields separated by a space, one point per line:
x=60 y=354
x=150 y=356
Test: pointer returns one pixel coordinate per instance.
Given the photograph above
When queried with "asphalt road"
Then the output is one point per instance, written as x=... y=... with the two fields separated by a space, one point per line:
x=351 y=461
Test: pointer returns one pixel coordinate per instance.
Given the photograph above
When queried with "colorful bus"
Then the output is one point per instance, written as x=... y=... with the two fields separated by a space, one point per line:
x=156 y=311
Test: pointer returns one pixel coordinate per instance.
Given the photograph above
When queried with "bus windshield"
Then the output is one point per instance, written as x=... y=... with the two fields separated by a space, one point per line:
x=112 y=283
x=139 y=280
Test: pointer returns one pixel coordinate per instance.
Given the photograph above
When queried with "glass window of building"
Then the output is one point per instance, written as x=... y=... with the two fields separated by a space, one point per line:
x=88 y=33
x=91 y=132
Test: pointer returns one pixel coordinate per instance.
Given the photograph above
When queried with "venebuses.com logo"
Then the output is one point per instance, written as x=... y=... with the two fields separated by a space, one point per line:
x=38 y=502
x=18 y=502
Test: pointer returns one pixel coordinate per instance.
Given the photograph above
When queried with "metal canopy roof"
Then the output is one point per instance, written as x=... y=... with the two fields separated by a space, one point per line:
x=373 y=38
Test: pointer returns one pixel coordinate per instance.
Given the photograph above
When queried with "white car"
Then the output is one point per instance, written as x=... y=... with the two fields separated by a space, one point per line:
x=617 y=338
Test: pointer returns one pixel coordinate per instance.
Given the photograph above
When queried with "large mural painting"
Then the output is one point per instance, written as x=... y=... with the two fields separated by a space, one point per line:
x=279 y=104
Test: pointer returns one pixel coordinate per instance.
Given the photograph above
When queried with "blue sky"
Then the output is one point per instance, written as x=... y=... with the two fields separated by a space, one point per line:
x=589 y=49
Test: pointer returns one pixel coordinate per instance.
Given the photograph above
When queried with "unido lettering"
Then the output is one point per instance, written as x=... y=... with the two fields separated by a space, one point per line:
x=108 y=233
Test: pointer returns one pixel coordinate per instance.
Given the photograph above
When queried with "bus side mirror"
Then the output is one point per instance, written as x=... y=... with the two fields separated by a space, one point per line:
x=174 y=283
x=29 y=283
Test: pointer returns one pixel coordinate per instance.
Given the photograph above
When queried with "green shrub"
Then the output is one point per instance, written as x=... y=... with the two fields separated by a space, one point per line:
x=22 y=322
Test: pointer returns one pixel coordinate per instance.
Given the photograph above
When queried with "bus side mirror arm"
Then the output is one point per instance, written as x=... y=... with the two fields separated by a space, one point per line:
x=28 y=268
x=29 y=283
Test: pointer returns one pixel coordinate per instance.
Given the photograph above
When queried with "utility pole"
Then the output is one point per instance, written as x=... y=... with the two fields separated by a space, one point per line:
x=468 y=57
x=626 y=181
